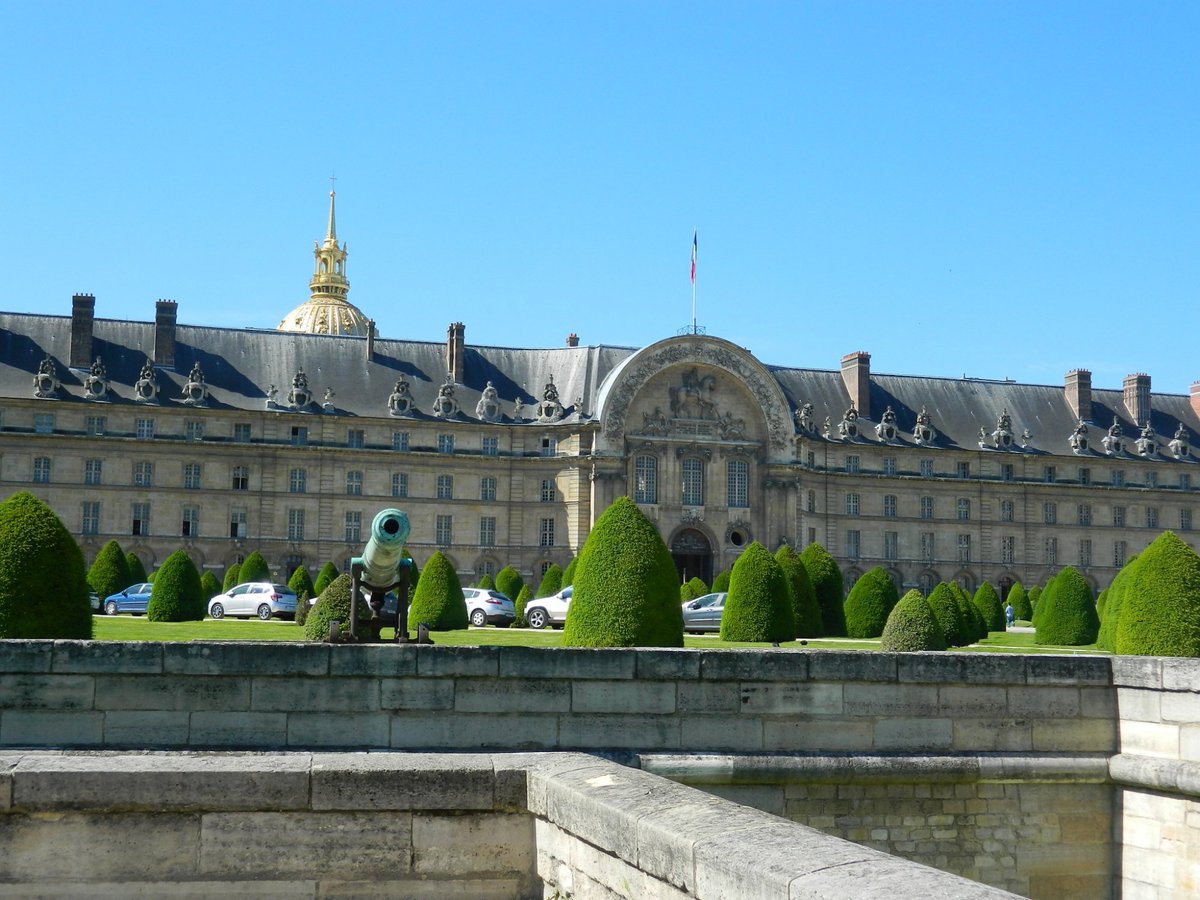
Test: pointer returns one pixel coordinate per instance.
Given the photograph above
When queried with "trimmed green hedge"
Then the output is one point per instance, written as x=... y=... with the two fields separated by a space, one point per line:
x=974 y=628
x=301 y=583
x=912 y=626
x=1019 y=601
x=686 y=592
x=176 y=596
x=870 y=602
x=626 y=587
x=1035 y=594
x=1160 y=609
x=827 y=582
x=486 y=583
x=568 y=578
x=805 y=609
x=333 y=605
x=721 y=582
x=438 y=601
x=209 y=587
x=551 y=582
x=944 y=602
x=520 y=603
x=699 y=588
x=326 y=575
x=254 y=568
x=760 y=605
x=137 y=571
x=509 y=582
x=1068 y=615
x=1106 y=639
x=231 y=577
x=110 y=571
x=43 y=584
x=987 y=601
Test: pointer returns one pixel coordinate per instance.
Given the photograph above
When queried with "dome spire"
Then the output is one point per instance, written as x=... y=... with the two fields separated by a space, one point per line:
x=331 y=231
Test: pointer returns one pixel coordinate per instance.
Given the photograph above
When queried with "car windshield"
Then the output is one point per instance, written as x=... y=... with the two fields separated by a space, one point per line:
x=707 y=600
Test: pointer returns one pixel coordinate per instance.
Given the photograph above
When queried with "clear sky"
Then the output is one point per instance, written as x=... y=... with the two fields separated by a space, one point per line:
x=997 y=189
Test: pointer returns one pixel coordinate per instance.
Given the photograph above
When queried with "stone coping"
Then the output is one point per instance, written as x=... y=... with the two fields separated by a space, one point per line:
x=698 y=844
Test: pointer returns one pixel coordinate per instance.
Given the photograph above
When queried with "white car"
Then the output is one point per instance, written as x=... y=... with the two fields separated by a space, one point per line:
x=489 y=607
x=254 y=598
x=550 y=610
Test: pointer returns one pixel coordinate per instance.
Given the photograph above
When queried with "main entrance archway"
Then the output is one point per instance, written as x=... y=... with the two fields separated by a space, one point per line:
x=693 y=555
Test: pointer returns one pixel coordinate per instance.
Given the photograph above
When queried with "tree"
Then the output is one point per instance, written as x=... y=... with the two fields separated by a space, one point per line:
x=509 y=582
x=974 y=628
x=333 y=605
x=699 y=588
x=869 y=603
x=827 y=582
x=110 y=570
x=176 y=595
x=43 y=583
x=522 y=599
x=987 y=601
x=1044 y=601
x=301 y=583
x=486 y=583
x=1035 y=594
x=721 y=582
x=1019 y=601
x=805 y=608
x=686 y=592
x=551 y=582
x=1069 y=614
x=302 y=608
x=912 y=626
x=231 y=577
x=568 y=578
x=1160 y=609
x=137 y=571
x=439 y=601
x=325 y=577
x=254 y=568
x=625 y=587
x=209 y=587
x=944 y=603
x=760 y=605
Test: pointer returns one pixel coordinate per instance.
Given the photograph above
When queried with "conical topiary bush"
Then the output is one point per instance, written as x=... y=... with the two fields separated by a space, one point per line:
x=987 y=601
x=759 y=606
x=1019 y=600
x=333 y=605
x=176 y=596
x=626 y=590
x=568 y=578
x=231 y=577
x=806 y=610
x=1106 y=638
x=325 y=577
x=110 y=570
x=944 y=603
x=523 y=598
x=1068 y=613
x=551 y=582
x=438 y=601
x=209 y=587
x=912 y=626
x=509 y=582
x=137 y=570
x=486 y=583
x=686 y=592
x=721 y=582
x=301 y=583
x=1160 y=607
x=827 y=582
x=254 y=568
x=869 y=603
x=974 y=628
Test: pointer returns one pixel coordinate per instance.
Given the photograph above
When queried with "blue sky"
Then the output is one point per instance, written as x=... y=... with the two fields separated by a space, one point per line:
x=1002 y=189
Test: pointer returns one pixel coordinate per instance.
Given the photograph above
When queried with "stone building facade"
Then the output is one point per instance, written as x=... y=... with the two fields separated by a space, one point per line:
x=162 y=435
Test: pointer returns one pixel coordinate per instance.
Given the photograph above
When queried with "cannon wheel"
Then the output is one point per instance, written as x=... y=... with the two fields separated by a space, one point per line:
x=478 y=618
x=264 y=612
x=217 y=611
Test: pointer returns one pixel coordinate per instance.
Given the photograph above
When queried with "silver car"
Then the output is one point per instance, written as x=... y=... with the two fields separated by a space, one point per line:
x=488 y=607
x=704 y=613
x=255 y=598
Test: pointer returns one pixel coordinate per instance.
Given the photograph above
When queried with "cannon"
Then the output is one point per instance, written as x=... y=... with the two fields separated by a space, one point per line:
x=382 y=568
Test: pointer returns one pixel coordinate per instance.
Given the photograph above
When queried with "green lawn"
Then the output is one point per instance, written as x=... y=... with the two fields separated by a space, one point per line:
x=138 y=628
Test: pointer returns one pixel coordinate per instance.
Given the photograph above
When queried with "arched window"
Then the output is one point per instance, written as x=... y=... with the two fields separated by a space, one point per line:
x=645 y=480
x=693 y=481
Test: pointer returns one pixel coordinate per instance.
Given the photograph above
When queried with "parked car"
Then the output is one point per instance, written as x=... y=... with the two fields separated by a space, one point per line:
x=134 y=599
x=550 y=610
x=704 y=613
x=254 y=598
x=486 y=607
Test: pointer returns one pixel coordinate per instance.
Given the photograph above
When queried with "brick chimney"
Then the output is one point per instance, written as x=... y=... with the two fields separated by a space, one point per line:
x=1137 y=397
x=164 y=332
x=1196 y=397
x=572 y=340
x=455 y=347
x=856 y=373
x=83 y=312
x=1079 y=393
x=370 y=339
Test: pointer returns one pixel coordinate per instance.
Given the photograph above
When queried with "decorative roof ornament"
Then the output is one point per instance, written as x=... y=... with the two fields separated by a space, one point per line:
x=886 y=429
x=488 y=407
x=300 y=396
x=828 y=432
x=803 y=418
x=924 y=433
x=400 y=401
x=45 y=382
x=1114 y=440
x=95 y=386
x=1002 y=437
x=1079 y=438
x=327 y=403
x=1026 y=439
x=1180 y=446
x=550 y=409
x=1147 y=442
x=848 y=427
x=146 y=388
x=195 y=392
x=519 y=409
x=444 y=405
x=272 y=396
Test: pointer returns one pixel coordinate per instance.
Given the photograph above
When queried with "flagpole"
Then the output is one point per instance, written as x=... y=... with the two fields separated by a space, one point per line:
x=694 y=250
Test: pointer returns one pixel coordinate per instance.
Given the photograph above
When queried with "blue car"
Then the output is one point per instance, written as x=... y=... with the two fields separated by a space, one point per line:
x=134 y=599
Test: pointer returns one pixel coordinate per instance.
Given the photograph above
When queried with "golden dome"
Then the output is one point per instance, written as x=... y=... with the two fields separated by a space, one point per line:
x=326 y=315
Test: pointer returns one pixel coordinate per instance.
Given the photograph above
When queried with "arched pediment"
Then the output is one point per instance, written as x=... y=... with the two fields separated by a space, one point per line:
x=626 y=382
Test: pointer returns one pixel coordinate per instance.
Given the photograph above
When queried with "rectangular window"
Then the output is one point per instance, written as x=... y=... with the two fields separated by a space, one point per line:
x=1151 y=516
x=95 y=425
x=445 y=443
x=964 y=548
x=1050 y=512
x=546 y=533
x=1185 y=520
x=693 y=481
x=963 y=469
x=1050 y=551
x=549 y=446
x=889 y=506
x=1118 y=478
x=145 y=429
x=964 y=509
x=1085 y=475
x=93 y=471
x=852 y=464
x=812 y=459
x=489 y=446
x=43 y=423
x=1085 y=514
x=299 y=435
x=1049 y=474
x=354 y=483
x=353 y=526
x=1008 y=550
x=1085 y=552
x=143 y=474
x=400 y=441
x=90 y=521
x=812 y=535
x=548 y=491
x=141 y=519
x=41 y=470
x=487 y=488
x=645 y=479
x=1118 y=517
x=1120 y=552
x=737 y=484
x=891 y=545
x=444 y=530
x=927 y=468
x=487 y=531
x=191 y=476
x=926 y=507
x=1007 y=472
x=237 y=522
x=241 y=478
x=927 y=555
x=811 y=504
x=297 y=481
x=1185 y=481
x=853 y=544
x=190 y=524
x=295 y=524
x=194 y=430
x=399 y=484
x=356 y=438
x=445 y=487
x=889 y=465
x=1007 y=511
x=1151 y=479
x=852 y=504
x=241 y=433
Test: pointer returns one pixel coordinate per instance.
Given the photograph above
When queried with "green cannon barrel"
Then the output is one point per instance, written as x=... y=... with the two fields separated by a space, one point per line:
x=381 y=556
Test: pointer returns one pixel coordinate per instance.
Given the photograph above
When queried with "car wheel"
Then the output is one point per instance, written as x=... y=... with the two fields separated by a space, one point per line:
x=110 y=608
x=478 y=618
x=537 y=618
x=264 y=612
x=217 y=611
